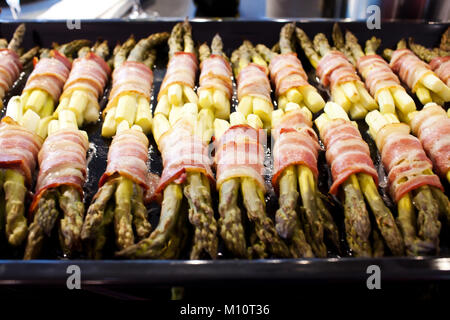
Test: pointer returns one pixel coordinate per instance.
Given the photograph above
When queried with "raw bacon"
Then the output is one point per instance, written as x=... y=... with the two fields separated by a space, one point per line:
x=10 y=68
x=90 y=74
x=216 y=73
x=49 y=75
x=130 y=77
x=334 y=69
x=441 y=66
x=240 y=153
x=128 y=156
x=347 y=153
x=296 y=143
x=405 y=160
x=19 y=149
x=377 y=74
x=182 y=152
x=432 y=126
x=286 y=72
x=62 y=161
x=253 y=81
x=182 y=69
x=409 y=67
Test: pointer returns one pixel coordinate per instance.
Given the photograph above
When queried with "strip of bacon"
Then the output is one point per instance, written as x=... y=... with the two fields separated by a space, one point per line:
x=405 y=160
x=334 y=69
x=128 y=156
x=347 y=153
x=62 y=161
x=19 y=149
x=130 y=77
x=432 y=126
x=409 y=67
x=377 y=74
x=10 y=68
x=182 y=69
x=90 y=74
x=182 y=152
x=441 y=66
x=216 y=74
x=286 y=72
x=49 y=75
x=252 y=81
x=296 y=143
x=240 y=153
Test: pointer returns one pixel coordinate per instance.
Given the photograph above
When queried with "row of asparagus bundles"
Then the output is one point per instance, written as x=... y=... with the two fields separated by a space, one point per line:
x=41 y=135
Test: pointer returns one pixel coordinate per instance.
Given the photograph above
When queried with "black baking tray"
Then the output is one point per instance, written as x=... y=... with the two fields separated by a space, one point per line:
x=339 y=267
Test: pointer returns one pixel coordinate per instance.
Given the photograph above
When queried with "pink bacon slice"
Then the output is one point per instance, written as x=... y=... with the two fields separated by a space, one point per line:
x=346 y=152
x=49 y=75
x=90 y=74
x=334 y=69
x=182 y=152
x=377 y=74
x=20 y=149
x=432 y=126
x=405 y=160
x=62 y=161
x=130 y=77
x=128 y=156
x=286 y=72
x=441 y=66
x=240 y=153
x=182 y=69
x=216 y=74
x=252 y=81
x=296 y=143
x=409 y=67
x=10 y=68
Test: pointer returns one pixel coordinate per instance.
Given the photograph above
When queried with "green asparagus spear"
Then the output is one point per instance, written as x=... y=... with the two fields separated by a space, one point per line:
x=140 y=50
x=156 y=244
x=339 y=43
x=3 y=43
x=445 y=40
x=175 y=39
x=121 y=55
x=42 y=225
x=253 y=198
x=122 y=213
x=204 y=52
x=428 y=216
x=307 y=47
x=139 y=212
x=201 y=216
x=372 y=45
x=71 y=224
x=357 y=223
x=17 y=39
x=230 y=221
x=15 y=191
x=28 y=56
x=286 y=34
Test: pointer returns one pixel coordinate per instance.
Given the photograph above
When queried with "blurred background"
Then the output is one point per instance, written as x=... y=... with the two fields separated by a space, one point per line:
x=431 y=10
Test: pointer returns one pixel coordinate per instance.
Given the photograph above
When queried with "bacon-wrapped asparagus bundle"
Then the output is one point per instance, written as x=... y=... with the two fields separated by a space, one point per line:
x=336 y=72
x=11 y=63
x=240 y=161
x=381 y=81
x=86 y=83
x=296 y=150
x=412 y=183
x=438 y=58
x=182 y=134
x=432 y=126
x=124 y=185
x=132 y=82
x=288 y=76
x=20 y=156
x=355 y=175
x=417 y=74
x=62 y=159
